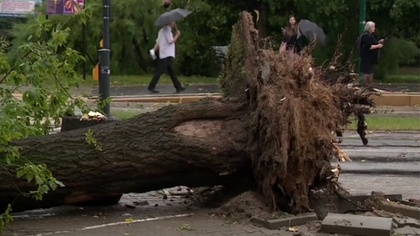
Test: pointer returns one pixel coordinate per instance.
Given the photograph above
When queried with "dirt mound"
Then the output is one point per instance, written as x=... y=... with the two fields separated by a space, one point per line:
x=245 y=206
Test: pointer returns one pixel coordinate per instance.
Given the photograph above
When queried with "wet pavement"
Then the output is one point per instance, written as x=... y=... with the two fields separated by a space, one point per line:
x=214 y=88
x=413 y=87
x=390 y=164
x=163 y=89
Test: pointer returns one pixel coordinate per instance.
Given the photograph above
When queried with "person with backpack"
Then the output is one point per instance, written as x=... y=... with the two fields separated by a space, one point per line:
x=369 y=49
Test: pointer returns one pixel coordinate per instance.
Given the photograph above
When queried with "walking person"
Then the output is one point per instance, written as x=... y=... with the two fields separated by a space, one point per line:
x=166 y=44
x=369 y=50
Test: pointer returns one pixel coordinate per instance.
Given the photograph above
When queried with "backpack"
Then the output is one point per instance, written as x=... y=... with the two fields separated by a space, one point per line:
x=358 y=41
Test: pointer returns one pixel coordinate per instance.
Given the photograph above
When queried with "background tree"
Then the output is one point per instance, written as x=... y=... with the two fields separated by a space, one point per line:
x=42 y=72
x=210 y=24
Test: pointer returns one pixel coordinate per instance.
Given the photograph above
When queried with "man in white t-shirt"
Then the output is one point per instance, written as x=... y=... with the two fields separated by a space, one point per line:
x=166 y=44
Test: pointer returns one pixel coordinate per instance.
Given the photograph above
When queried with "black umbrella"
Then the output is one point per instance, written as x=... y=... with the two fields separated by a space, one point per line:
x=311 y=31
x=171 y=16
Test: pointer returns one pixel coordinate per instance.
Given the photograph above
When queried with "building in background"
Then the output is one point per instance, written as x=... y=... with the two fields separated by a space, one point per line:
x=19 y=8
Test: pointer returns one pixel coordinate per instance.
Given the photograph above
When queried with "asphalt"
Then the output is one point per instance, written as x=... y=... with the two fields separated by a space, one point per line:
x=163 y=89
x=214 y=88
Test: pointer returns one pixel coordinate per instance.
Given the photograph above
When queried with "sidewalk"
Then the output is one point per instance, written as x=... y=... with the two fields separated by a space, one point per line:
x=214 y=88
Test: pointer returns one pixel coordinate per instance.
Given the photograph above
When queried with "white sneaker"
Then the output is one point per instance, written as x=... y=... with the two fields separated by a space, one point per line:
x=152 y=53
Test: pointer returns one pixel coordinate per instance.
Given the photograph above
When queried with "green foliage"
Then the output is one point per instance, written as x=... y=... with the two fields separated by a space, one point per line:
x=42 y=72
x=400 y=18
x=395 y=52
x=42 y=176
x=133 y=31
x=208 y=25
x=90 y=139
x=5 y=217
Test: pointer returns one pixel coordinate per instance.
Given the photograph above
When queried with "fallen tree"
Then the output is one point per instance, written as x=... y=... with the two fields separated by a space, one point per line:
x=273 y=128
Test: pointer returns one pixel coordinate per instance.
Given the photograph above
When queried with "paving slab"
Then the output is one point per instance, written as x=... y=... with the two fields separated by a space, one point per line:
x=407 y=222
x=285 y=222
x=356 y=225
x=407 y=231
x=410 y=211
x=345 y=205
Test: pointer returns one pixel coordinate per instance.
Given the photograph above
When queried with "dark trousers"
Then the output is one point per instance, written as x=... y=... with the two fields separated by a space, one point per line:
x=165 y=65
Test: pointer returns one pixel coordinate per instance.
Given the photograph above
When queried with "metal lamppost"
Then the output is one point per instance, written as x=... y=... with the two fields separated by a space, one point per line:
x=105 y=59
x=362 y=22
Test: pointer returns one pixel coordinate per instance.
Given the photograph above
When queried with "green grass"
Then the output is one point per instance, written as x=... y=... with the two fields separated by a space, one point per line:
x=405 y=75
x=378 y=123
x=124 y=115
x=390 y=123
x=130 y=80
x=399 y=79
x=413 y=70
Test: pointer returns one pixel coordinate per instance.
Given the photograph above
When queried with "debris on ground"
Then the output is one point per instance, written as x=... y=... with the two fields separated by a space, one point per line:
x=92 y=115
x=247 y=205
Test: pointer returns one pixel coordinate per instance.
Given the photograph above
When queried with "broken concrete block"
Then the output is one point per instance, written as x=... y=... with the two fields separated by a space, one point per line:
x=356 y=225
x=407 y=222
x=407 y=231
x=285 y=222
x=393 y=207
x=343 y=205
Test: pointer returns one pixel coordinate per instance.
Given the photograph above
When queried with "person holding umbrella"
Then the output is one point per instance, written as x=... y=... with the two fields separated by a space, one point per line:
x=292 y=35
x=290 y=40
x=166 y=4
x=166 y=44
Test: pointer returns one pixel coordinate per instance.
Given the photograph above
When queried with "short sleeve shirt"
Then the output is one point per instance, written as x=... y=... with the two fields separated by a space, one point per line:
x=165 y=42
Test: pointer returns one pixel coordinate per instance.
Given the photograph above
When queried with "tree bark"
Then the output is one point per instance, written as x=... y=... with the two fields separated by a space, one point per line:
x=200 y=144
x=275 y=126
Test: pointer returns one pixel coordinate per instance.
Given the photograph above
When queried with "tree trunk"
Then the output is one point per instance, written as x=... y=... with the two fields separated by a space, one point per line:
x=198 y=144
x=262 y=22
x=275 y=125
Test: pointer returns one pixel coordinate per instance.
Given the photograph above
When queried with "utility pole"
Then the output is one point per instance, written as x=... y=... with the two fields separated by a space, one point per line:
x=105 y=59
x=362 y=22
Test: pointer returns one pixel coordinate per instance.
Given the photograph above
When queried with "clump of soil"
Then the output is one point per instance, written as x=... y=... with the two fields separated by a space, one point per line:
x=245 y=206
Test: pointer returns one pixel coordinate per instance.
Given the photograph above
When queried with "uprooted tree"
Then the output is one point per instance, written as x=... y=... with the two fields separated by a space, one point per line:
x=274 y=126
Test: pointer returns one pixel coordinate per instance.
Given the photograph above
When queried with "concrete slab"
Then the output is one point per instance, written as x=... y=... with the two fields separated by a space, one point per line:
x=407 y=222
x=410 y=211
x=356 y=225
x=342 y=205
x=392 y=100
x=284 y=222
x=407 y=231
x=414 y=101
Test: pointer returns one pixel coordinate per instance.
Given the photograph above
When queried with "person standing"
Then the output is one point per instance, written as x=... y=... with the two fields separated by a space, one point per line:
x=166 y=45
x=290 y=40
x=369 y=49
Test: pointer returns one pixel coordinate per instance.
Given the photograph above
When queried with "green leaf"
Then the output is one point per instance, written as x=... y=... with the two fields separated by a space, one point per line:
x=20 y=173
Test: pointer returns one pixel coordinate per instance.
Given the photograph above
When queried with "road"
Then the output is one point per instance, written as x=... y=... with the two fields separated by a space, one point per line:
x=390 y=163
x=214 y=88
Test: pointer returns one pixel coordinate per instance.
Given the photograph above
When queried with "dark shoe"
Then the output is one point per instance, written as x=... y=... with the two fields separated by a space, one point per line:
x=180 y=90
x=153 y=91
